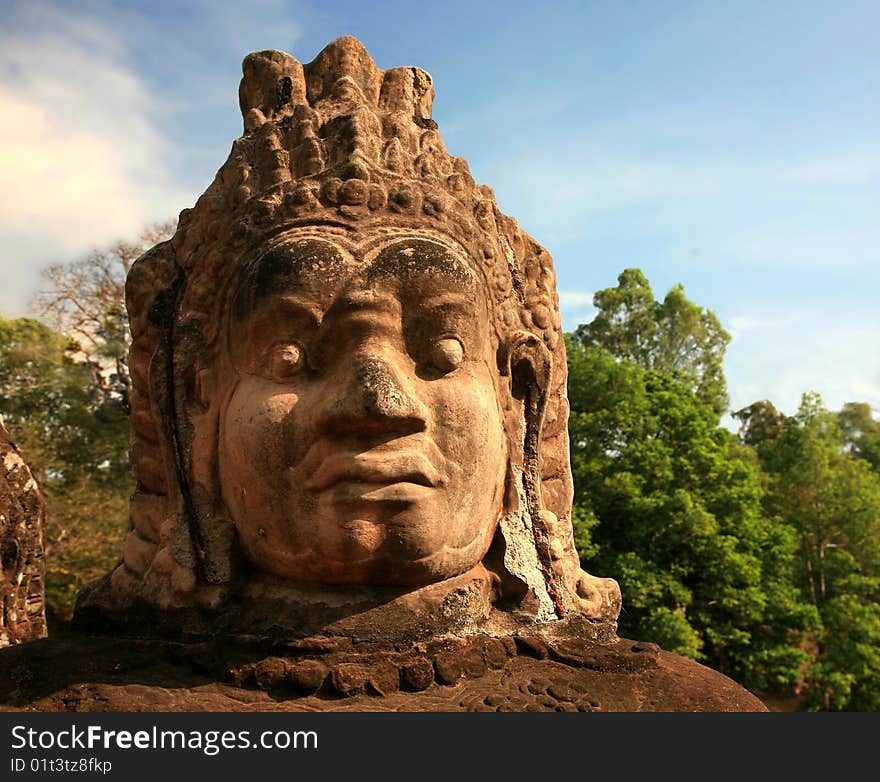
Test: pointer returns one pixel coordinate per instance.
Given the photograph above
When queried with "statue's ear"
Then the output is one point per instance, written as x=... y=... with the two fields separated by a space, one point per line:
x=529 y=364
x=521 y=553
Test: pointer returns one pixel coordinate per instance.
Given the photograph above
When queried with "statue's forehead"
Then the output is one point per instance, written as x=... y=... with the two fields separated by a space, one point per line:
x=312 y=264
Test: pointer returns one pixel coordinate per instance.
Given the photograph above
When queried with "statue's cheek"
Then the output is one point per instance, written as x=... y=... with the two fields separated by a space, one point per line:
x=258 y=427
x=469 y=432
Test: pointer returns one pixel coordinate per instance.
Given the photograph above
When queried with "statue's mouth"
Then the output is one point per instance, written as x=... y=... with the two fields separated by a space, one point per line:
x=372 y=470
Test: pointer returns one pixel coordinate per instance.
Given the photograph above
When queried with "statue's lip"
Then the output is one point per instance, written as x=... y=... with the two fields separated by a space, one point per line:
x=383 y=468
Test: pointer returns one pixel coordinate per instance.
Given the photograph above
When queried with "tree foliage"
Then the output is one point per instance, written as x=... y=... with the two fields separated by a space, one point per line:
x=675 y=336
x=822 y=481
x=48 y=399
x=861 y=432
x=758 y=554
x=76 y=443
x=704 y=571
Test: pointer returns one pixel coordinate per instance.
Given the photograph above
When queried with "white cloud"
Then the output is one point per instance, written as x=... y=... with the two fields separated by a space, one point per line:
x=831 y=352
x=88 y=148
x=575 y=307
x=867 y=391
x=841 y=170
x=750 y=322
x=562 y=191
x=740 y=323
x=686 y=183
x=797 y=245
x=79 y=153
x=575 y=299
x=738 y=326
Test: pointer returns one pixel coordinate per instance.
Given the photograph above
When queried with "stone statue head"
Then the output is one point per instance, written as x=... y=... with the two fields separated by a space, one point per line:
x=348 y=368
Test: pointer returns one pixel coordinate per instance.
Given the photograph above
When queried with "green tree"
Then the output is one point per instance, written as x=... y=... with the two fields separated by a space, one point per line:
x=76 y=443
x=820 y=485
x=674 y=336
x=704 y=572
x=761 y=425
x=48 y=399
x=861 y=432
x=36 y=373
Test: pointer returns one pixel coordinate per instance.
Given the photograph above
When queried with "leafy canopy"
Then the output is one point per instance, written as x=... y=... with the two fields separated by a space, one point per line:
x=674 y=510
x=675 y=336
x=823 y=482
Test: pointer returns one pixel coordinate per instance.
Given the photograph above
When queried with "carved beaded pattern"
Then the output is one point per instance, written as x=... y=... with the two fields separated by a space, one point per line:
x=485 y=672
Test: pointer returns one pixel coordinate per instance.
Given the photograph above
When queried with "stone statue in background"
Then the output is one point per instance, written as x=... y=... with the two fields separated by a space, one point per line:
x=349 y=433
x=349 y=384
x=22 y=564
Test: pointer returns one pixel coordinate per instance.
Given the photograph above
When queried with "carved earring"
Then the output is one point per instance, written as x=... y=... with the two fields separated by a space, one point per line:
x=530 y=365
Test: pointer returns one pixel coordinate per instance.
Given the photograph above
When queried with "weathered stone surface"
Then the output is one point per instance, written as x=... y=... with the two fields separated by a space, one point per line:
x=384 y=678
x=271 y=673
x=22 y=564
x=349 y=678
x=107 y=674
x=307 y=676
x=448 y=667
x=418 y=674
x=473 y=662
x=495 y=652
x=532 y=646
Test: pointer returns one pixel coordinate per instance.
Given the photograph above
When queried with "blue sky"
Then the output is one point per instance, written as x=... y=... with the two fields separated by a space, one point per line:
x=732 y=147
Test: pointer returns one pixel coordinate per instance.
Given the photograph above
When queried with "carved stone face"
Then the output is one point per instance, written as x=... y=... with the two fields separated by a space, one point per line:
x=362 y=440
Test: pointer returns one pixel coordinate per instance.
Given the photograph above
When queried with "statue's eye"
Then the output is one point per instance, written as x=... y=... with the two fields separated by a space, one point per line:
x=286 y=360
x=447 y=354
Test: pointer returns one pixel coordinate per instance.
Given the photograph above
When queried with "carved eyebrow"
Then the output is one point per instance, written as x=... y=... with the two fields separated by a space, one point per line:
x=418 y=256
x=351 y=302
x=447 y=299
x=297 y=263
x=285 y=307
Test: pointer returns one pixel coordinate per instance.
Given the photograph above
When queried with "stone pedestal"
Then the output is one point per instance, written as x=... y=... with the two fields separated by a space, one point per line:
x=477 y=673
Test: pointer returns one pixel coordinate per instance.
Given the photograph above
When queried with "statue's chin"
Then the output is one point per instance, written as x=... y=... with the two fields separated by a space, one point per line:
x=410 y=548
x=363 y=563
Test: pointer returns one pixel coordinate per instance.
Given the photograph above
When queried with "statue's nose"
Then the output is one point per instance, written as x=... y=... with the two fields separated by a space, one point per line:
x=374 y=397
